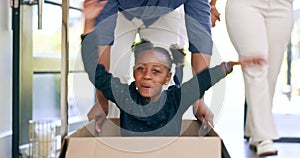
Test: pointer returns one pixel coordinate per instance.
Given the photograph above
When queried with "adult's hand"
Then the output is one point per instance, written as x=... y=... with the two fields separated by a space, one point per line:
x=92 y=8
x=214 y=15
x=203 y=113
x=96 y=113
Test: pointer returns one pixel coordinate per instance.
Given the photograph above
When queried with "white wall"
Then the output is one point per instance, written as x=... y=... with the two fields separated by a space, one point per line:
x=5 y=79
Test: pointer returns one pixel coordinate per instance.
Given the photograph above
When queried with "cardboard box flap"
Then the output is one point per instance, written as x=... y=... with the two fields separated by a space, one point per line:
x=191 y=129
x=111 y=128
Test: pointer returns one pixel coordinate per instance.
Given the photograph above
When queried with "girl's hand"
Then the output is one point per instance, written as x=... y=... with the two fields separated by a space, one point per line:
x=244 y=63
x=250 y=61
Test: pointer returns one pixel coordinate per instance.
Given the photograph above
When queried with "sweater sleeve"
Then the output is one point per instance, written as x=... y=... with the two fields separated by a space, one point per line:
x=195 y=88
x=110 y=86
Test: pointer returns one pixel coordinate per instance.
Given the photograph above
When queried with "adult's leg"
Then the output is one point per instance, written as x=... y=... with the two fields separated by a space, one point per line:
x=247 y=31
x=167 y=31
x=280 y=18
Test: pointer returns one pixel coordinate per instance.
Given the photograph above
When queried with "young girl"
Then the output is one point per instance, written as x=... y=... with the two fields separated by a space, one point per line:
x=145 y=108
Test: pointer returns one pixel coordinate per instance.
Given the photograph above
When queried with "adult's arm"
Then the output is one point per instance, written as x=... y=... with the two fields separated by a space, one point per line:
x=198 y=26
x=100 y=23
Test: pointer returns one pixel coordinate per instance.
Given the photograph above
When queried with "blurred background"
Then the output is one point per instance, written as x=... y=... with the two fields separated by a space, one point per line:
x=40 y=76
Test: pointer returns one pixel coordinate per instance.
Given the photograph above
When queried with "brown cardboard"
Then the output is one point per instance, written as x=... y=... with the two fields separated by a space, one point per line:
x=86 y=143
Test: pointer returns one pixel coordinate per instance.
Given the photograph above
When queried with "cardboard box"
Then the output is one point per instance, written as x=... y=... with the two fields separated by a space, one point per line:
x=86 y=143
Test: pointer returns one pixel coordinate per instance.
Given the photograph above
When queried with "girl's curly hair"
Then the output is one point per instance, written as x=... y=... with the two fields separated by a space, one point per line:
x=175 y=55
x=141 y=46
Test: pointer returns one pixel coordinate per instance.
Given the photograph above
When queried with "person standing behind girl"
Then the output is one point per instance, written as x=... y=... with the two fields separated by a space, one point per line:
x=116 y=23
x=260 y=29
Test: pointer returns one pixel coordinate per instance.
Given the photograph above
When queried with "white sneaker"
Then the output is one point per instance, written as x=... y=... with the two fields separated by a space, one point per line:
x=266 y=148
x=252 y=144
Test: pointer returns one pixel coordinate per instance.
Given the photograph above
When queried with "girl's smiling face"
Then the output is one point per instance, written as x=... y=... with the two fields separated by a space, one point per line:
x=151 y=72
